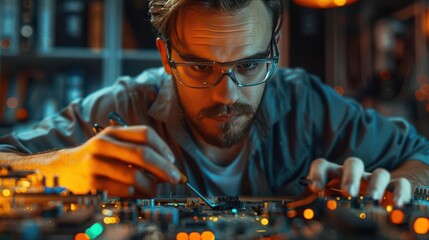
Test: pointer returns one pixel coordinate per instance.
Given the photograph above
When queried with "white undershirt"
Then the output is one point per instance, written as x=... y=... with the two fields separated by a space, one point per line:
x=227 y=178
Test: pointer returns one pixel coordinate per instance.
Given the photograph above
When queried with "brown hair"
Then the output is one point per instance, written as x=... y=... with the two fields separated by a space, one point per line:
x=164 y=12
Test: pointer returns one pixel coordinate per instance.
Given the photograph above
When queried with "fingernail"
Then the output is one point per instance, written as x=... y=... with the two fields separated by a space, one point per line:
x=175 y=176
x=170 y=157
x=353 y=190
x=375 y=196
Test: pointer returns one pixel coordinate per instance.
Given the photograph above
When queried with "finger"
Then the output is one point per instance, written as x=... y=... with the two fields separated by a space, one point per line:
x=320 y=171
x=145 y=184
x=377 y=183
x=137 y=155
x=401 y=191
x=128 y=175
x=353 y=170
x=113 y=188
x=115 y=170
x=142 y=135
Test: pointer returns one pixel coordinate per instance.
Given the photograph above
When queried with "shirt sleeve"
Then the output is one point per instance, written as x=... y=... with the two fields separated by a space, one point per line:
x=72 y=126
x=341 y=128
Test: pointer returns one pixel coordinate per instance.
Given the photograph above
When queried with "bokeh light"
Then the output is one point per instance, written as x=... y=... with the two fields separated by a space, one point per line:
x=308 y=214
x=421 y=225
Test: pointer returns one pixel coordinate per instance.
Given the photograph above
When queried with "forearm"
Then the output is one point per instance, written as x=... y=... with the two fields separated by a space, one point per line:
x=43 y=162
x=415 y=171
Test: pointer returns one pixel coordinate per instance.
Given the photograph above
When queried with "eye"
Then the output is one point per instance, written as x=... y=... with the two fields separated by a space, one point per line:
x=201 y=67
x=247 y=66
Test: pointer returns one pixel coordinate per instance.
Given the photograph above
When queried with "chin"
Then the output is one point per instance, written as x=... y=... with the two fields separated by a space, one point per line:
x=227 y=135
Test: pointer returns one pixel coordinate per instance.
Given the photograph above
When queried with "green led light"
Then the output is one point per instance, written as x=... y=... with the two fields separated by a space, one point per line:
x=94 y=231
x=234 y=210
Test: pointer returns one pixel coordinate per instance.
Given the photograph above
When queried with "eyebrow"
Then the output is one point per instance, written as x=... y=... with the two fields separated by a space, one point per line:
x=194 y=58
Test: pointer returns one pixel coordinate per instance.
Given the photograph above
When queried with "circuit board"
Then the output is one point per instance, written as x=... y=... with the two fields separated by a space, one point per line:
x=31 y=210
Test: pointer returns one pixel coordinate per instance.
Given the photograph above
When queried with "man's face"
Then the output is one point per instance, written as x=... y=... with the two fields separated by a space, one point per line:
x=221 y=115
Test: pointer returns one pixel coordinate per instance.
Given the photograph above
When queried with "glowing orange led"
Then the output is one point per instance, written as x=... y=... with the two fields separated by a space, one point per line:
x=207 y=235
x=397 y=216
x=389 y=208
x=291 y=214
x=194 y=236
x=182 y=236
x=264 y=221
x=421 y=225
x=308 y=214
x=81 y=236
x=331 y=204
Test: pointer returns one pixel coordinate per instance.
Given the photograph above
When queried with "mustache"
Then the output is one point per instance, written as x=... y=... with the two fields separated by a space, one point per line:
x=219 y=109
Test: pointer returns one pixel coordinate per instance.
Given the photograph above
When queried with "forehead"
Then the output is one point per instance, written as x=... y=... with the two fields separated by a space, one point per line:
x=223 y=36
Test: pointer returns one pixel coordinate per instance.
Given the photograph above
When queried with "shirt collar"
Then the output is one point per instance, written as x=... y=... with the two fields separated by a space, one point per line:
x=166 y=109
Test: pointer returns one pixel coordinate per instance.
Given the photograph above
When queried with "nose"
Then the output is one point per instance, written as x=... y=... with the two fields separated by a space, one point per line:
x=226 y=91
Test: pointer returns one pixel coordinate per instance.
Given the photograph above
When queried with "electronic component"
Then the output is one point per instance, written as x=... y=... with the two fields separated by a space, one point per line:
x=30 y=210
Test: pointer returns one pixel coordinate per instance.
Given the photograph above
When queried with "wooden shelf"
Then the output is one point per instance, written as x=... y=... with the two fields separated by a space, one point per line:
x=32 y=63
x=58 y=53
x=149 y=55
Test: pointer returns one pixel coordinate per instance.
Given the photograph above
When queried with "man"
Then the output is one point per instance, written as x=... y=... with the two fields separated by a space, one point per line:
x=222 y=113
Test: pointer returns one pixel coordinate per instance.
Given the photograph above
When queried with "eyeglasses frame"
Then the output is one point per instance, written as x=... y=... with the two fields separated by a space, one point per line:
x=173 y=64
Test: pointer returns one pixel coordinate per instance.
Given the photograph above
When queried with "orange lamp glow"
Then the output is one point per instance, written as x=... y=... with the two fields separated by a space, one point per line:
x=397 y=216
x=81 y=236
x=323 y=3
x=182 y=236
x=331 y=204
x=264 y=221
x=308 y=214
x=194 y=236
x=207 y=235
x=421 y=225
x=291 y=213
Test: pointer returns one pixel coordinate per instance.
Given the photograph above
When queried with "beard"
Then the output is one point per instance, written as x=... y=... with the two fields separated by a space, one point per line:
x=221 y=134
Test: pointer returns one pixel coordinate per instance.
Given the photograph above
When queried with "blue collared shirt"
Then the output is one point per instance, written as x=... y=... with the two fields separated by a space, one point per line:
x=300 y=119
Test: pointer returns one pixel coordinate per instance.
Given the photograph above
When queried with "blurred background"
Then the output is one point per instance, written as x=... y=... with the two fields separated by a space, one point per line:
x=55 y=51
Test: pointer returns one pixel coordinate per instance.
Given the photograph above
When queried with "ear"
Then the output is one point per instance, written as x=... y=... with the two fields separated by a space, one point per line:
x=162 y=49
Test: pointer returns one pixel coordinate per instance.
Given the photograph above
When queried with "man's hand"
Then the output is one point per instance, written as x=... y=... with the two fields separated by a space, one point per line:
x=351 y=175
x=124 y=161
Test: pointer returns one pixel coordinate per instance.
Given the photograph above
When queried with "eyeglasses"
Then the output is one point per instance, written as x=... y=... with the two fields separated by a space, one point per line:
x=244 y=73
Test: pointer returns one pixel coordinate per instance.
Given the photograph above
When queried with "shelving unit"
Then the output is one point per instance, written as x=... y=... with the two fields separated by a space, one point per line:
x=98 y=66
